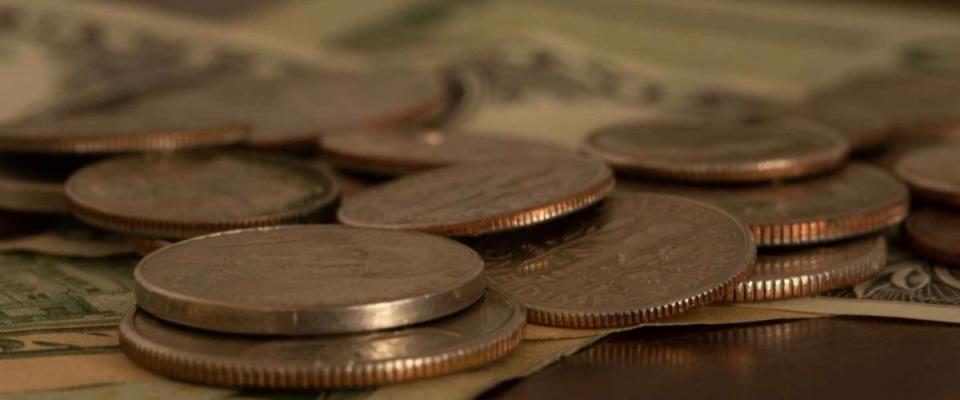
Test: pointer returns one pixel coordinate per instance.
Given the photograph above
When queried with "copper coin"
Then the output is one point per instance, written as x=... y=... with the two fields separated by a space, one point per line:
x=856 y=200
x=397 y=153
x=179 y=195
x=932 y=173
x=483 y=333
x=146 y=245
x=311 y=279
x=934 y=234
x=798 y=273
x=702 y=150
x=478 y=198
x=633 y=259
x=33 y=185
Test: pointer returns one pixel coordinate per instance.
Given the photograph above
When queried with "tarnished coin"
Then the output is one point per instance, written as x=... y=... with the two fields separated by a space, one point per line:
x=797 y=273
x=311 y=279
x=179 y=195
x=396 y=153
x=703 y=150
x=933 y=173
x=484 y=332
x=856 y=200
x=478 y=198
x=30 y=185
x=934 y=234
x=632 y=259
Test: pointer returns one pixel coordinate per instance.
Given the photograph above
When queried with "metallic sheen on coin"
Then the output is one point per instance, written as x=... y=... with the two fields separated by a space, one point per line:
x=396 y=153
x=798 y=273
x=478 y=198
x=180 y=195
x=856 y=200
x=483 y=333
x=934 y=234
x=634 y=258
x=702 y=150
x=933 y=173
x=309 y=279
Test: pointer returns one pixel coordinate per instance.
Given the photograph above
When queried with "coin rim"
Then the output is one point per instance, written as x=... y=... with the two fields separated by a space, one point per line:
x=806 y=284
x=926 y=248
x=925 y=187
x=171 y=229
x=147 y=141
x=223 y=371
x=227 y=317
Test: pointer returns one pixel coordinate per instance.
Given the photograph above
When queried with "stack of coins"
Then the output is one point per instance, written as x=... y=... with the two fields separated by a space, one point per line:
x=933 y=230
x=811 y=215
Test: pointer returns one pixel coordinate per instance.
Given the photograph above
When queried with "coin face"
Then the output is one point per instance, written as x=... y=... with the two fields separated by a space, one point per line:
x=179 y=195
x=482 y=333
x=634 y=258
x=395 y=153
x=797 y=273
x=311 y=279
x=718 y=151
x=856 y=200
x=932 y=173
x=29 y=184
x=934 y=234
x=478 y=198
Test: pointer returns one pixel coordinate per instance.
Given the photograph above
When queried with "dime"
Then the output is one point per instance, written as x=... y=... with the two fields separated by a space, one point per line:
x=935 y=234
x=478 y=198
x=311 y=279
x=797 y=273
x=704 y=150
x=29 y=185
x=396 y=153
x=634 y=258
x=484 y=332
x=856 y=200
x=931 y=173
x=179 y=195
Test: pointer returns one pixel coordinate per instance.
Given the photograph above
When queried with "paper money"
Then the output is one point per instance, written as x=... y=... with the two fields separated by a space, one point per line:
x=69 y=239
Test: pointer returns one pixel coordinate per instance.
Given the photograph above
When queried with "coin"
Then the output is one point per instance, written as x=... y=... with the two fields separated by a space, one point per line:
x=33 y=185
x=396 y=153
x=478 y=198
x=179 y=195
x=703 y=150
x=145 y=245
x=931 y=173
x=862 y=127
x=634 y=258
x=856 y=200
x=311 y=279
x=483 y=333
x=935 y=234
x=798 y=273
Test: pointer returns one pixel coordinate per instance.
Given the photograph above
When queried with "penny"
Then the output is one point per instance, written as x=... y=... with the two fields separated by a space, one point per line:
x=798 y=273
x=856 y=200
x=931 y=173
x=179 y=195
x=934 y=234
x=312 y=279
x=479 y=198
x=33 y=185
x=702 y=150
x=633 y=259
x=483 y=333
x=396 y=153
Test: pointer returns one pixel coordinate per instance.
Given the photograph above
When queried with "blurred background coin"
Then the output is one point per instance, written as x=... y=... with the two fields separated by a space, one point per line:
x=933 y=173
x=934 y=234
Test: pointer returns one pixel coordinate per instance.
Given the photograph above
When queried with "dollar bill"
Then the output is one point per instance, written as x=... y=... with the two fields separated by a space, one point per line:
x=69 y=238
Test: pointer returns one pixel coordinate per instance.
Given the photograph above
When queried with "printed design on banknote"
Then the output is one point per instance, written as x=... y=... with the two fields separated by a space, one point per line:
x=907 y=279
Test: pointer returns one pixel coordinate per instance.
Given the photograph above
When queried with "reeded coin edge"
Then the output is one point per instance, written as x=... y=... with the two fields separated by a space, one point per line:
x=854 y=271
x=134 y=142
x=218 y=371
x=825 y=230
x=928 y=249
x=169 y=229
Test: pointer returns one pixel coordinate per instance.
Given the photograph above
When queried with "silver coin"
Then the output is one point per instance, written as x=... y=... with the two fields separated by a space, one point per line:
x=313 y=279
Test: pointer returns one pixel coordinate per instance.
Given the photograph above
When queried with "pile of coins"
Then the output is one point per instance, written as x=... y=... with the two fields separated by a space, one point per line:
x=258 y=272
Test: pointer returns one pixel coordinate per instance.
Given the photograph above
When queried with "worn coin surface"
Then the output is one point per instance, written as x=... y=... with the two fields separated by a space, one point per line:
x=704 y=150
x=33 y=185
x=933 y=173
x=934 y=234
x=478 y=198
x=797 y=273
x=482 y=333
x=179 y=195
x=856 y=200
x=309 y=279
x=634 y=258
x=395 y=153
